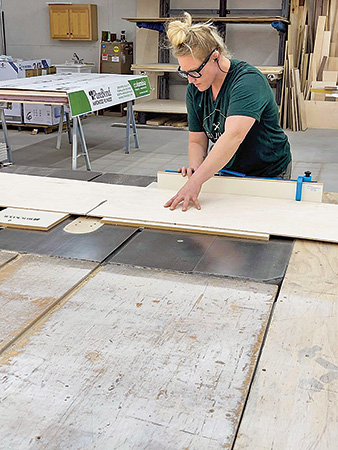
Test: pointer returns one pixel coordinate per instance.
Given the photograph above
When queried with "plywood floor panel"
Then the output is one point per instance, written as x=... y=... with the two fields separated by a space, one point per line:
x=294 y=397
x=29 y=286
x=5 y=257
x=137 y=359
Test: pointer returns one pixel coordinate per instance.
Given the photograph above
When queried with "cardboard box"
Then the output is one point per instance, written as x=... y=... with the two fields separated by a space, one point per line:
x=10 y=70
x=39 y=72
x=116 y=57
x=41 y=114
x=14 y=113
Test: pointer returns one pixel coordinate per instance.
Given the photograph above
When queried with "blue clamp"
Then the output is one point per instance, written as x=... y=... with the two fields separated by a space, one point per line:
x=231 y=173
x=221 y=172
x=300 y=180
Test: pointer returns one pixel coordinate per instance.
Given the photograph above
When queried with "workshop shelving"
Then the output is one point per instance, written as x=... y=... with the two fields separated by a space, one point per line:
x=153 y=59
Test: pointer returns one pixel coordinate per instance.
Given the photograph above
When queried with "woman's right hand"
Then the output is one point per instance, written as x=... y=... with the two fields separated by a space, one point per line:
x=186 y=171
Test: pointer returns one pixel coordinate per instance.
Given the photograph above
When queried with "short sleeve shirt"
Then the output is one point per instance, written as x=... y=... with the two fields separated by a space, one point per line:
x=265 y=151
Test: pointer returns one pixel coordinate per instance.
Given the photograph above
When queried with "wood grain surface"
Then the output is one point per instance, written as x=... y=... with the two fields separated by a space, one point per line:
x=29 y=286
x=136 y=359
x=293 y=401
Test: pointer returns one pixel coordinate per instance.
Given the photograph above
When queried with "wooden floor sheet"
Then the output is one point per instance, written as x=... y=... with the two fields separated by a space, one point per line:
x=5 y=257
x=136 y=359
x=30 y=285
x=293 y=403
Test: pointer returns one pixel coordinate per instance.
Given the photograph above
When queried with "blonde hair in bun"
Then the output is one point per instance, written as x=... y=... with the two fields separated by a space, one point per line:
x=198 y=39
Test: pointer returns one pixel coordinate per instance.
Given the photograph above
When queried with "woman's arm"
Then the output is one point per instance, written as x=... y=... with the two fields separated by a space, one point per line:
x=236 y=128
x=197 y=151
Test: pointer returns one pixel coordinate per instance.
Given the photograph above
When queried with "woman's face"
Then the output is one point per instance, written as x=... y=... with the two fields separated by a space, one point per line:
x=208 y=73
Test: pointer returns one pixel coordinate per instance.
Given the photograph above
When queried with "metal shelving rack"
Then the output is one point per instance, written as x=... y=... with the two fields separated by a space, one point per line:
x=221 y=17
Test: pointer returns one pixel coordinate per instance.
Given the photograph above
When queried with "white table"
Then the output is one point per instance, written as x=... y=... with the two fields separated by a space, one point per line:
x=83 y=93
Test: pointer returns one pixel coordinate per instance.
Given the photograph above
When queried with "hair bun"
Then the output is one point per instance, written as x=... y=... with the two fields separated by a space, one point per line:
x=178 y=30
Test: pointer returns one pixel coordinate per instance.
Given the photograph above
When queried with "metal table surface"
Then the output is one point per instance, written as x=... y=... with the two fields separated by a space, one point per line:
x=93 y=246
x=215 y=255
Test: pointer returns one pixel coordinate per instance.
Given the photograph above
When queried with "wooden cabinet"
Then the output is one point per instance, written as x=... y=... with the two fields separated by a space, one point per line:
x=73 y=22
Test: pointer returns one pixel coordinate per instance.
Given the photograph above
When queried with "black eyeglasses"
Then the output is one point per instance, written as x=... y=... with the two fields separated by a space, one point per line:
x=197 y=72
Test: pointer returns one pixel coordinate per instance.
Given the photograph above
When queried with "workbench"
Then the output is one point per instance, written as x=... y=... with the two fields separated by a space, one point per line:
x=82 y=93
x=126 y=337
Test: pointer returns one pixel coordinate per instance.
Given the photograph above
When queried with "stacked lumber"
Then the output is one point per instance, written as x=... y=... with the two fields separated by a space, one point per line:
x=311 y=62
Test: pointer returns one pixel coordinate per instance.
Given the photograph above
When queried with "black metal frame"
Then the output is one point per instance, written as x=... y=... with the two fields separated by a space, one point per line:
x=223 y=11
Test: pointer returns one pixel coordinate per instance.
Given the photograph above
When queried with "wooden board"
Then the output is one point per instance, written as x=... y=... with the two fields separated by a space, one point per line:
x=30 y=219
x=286 y=189
x=162 y=106
x=186 y=228
x=332 y=63
x=148 y=41
x=277 y=71
x=230 y=19
x=235 y=213
x=321 y=114
x=5 y=257
x=137 y=359
x=226 y=214
x=48 y=194
x=30 y=286
x=330 y=76
x=294 y=397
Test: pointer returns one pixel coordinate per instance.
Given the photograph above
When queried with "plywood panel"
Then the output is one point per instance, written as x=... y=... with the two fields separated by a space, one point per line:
x=30 y=219
x=29 y=286
x=49 y=194
x=5 y=257
x=321 y=114
x=162 y=106
x=246 y=186
x=137 y=359
x=219 y=211
x=294 y=397
x=228 y=212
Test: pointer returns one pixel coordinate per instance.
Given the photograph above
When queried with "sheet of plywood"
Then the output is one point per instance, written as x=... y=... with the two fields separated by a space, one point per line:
x=246 y=186
x=30 y=219
x=330 y=76
x=318 y=48
x=148 y=41
x=294 y=397
x=332 y=63
x=186 y=228
x=162 y=106
x=137 y=359
x=5 y=257
x=272 y=216
x=30 y=286
x=49 y=194
x=321 y=114
x=228 y=212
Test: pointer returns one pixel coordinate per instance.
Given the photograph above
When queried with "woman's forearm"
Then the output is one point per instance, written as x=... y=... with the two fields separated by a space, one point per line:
x=220 y=155
x=197 y=154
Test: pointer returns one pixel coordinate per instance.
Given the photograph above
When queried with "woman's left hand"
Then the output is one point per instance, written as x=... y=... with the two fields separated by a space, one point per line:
x=188 y=193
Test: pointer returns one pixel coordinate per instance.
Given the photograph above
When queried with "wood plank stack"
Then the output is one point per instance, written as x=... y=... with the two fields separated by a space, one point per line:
x=311 y=61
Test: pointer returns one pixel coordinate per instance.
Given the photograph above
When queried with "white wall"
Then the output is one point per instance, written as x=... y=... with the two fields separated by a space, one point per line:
x=27 y=29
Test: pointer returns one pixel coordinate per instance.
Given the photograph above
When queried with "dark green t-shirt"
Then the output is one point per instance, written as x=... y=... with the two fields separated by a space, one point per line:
x=265 y=151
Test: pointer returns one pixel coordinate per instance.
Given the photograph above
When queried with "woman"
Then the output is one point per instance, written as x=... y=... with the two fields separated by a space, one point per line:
x=230 y=103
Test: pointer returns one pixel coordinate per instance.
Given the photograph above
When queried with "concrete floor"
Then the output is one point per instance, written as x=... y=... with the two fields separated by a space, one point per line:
x=162 y=148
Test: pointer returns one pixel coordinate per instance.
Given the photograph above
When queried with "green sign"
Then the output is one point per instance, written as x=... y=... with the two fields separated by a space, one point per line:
x=79 y=103
x=141 y=86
